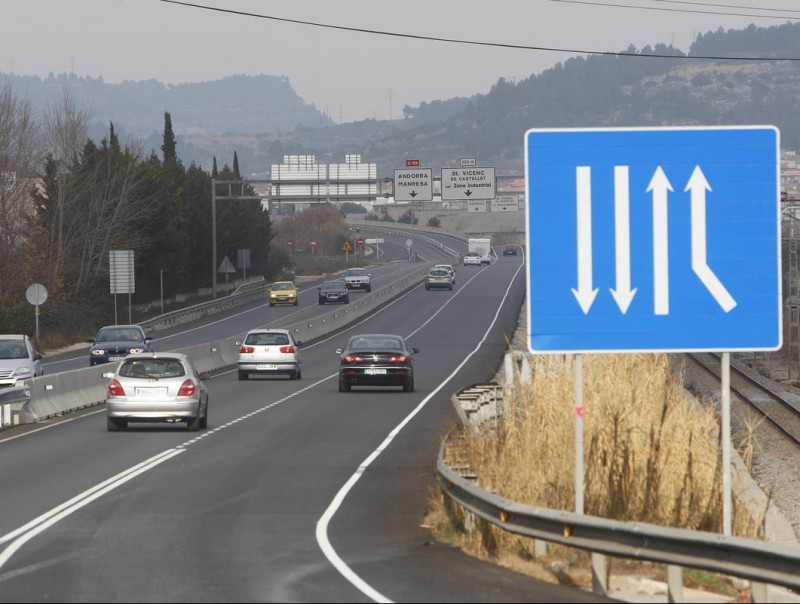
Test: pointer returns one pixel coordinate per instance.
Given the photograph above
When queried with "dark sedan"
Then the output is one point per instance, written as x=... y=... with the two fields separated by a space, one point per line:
x=376 y=360
x=334 y=291
x=115 y=342
x=510 y=250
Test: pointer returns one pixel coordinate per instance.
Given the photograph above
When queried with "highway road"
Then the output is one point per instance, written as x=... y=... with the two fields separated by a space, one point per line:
x=295 y=492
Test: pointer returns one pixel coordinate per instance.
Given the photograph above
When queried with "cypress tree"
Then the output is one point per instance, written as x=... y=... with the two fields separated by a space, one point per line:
x=168 y=148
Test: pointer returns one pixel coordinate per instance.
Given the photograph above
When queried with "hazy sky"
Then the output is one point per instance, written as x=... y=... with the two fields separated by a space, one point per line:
x=349 y=74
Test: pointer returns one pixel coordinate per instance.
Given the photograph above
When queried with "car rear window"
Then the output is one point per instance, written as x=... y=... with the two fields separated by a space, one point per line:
x=152 y=368
x=267 y=339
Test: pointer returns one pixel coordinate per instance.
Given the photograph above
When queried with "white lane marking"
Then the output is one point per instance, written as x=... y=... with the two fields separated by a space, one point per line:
x=324 y=521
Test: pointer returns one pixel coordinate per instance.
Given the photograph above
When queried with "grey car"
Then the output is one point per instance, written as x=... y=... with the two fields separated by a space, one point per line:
x=156 y=387
x=19 y=360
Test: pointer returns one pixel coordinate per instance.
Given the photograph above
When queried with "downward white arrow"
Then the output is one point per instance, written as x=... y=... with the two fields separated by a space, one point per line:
x=584 y=294
x=699 y=185
x=623 y=293
x=660 y=185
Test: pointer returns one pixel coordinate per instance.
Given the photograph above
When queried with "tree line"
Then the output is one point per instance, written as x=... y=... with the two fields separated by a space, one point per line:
x=66 y=201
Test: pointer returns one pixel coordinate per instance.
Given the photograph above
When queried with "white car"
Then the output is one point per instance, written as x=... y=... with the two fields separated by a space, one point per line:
x=268 y=351
x=473 y=258
x=19 y=360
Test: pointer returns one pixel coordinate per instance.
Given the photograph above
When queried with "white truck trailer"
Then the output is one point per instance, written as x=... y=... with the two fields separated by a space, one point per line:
x=482 y=247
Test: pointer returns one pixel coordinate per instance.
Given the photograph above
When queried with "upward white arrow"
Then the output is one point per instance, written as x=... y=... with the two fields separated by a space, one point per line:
x=585 y=295
x=659 y=185
x=699 y=185
x=623 y=293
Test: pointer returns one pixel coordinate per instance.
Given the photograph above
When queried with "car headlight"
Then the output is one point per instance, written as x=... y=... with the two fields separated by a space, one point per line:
x=136 y=350
x=98 y=352
x=22 y=372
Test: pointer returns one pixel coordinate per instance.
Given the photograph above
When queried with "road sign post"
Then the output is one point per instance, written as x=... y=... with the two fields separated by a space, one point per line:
x=654 y=240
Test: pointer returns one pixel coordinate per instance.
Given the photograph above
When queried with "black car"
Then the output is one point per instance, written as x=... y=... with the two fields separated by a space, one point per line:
x=115 y=342
x=376 y=360
x=334 y=291
x=509 y=250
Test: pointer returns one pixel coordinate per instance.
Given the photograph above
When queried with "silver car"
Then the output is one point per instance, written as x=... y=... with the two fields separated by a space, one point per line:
x=269 y=352
x=156 y=387
x=19 y=360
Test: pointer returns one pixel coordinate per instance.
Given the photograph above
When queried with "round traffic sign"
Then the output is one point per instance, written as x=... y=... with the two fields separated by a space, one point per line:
x=409 y=243
x=36 y=294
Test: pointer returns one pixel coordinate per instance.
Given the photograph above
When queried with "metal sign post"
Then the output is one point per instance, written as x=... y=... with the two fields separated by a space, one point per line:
x=652 y=240
x=36 y=294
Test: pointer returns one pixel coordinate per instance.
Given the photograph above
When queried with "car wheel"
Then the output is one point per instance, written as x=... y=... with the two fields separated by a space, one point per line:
x=322 y=301
x=369 y=288
x=271 y=305
x=451 y=288
x=193 y=424
x=243 y=376
x=295 y=303
x=204 y=421
x=408 y=386
x=427 y=288
x=114 y=425
x=298 y=375
x=343 y=385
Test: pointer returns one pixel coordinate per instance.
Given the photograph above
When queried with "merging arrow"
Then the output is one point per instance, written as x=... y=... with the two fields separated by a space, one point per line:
x=659 y=185
x=623 y=293
x=584 y=294
x=698 y=186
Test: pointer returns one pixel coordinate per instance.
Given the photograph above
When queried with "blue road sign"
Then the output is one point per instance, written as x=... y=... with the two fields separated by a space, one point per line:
x=653 y=240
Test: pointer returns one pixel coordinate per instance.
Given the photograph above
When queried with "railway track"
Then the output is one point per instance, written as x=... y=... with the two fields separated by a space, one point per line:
x=766 y=398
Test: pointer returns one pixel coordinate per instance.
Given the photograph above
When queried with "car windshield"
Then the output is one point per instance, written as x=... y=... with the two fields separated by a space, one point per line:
x=331 y=285
x=356 y=272
x=13 y=349
x=112 y=335
x=439 y=272
x=152 y=368
x=267 y=339
x=282 y=286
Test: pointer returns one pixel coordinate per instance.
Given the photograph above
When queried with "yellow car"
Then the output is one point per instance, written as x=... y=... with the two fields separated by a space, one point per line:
x=282 y=292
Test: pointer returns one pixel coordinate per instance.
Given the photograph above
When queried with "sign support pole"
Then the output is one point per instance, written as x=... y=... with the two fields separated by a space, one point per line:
x=726 y=444
x=579 y=433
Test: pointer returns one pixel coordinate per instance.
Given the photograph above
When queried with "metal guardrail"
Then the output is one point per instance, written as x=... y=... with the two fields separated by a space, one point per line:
x=759 y=561
x=242 y=295
x=765 y=563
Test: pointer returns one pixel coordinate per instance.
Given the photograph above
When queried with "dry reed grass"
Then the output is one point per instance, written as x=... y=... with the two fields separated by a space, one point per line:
x=652 y=454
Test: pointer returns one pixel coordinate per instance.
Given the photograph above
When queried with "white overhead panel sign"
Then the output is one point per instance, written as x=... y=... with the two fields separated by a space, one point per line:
x=505 y=203
x=476 y=205
x=413 y=185
x=461 y=184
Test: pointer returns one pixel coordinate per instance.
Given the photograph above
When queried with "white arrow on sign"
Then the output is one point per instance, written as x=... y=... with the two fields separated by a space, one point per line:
x=585 y=295
x=659 y=185
x=623 y=293
x=698 y=186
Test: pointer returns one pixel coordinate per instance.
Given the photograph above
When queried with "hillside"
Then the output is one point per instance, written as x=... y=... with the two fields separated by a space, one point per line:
x=261 y=118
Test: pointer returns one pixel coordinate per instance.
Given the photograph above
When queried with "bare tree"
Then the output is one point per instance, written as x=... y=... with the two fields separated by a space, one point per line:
x=65 y=127
x=18 y=161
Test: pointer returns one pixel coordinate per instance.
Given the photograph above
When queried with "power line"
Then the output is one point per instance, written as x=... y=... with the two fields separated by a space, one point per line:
x=488 y=44
x=694 y=11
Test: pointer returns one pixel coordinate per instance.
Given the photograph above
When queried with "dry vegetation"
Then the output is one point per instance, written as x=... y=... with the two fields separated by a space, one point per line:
x=652 y=454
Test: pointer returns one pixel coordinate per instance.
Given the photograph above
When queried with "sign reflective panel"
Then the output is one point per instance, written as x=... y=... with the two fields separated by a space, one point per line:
x=664 y=239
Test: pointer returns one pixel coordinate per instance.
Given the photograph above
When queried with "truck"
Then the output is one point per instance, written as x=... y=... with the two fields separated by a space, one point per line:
x=483 y=247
